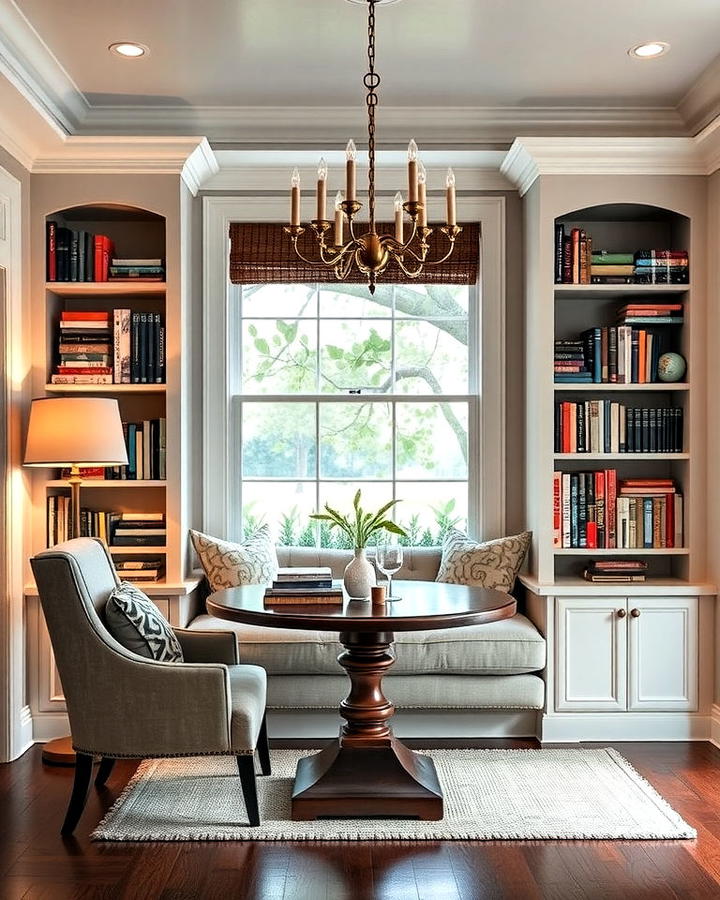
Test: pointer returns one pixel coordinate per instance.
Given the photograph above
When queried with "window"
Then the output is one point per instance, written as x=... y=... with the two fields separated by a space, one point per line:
x=337 y=390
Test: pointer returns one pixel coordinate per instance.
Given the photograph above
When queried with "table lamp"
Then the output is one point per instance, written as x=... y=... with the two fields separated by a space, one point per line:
x=76 y=432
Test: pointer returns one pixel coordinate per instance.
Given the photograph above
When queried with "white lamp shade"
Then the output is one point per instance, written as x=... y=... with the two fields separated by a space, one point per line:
x=75 y=431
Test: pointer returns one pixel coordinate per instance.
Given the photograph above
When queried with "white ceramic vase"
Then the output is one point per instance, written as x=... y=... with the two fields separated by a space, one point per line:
x=359 y=576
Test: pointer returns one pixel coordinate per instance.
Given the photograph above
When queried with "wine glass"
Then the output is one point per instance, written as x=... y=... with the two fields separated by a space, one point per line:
x=389 y=559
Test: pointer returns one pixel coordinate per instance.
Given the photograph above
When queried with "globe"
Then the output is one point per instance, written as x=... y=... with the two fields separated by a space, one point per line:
x=671 y=367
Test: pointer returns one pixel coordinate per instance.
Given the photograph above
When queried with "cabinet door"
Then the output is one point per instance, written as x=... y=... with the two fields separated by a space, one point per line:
x=591 y=653
x=663 y=653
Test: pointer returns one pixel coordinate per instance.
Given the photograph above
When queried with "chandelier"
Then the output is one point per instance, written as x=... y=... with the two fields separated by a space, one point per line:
x=371 y=252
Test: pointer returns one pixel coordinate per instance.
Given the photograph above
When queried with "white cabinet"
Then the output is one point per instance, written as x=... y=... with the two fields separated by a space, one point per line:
x=620 y=653
x=662 y=653
x=591 y=649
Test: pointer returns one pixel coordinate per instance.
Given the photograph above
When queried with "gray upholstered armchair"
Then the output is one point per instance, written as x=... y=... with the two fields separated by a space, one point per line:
x=124 y=705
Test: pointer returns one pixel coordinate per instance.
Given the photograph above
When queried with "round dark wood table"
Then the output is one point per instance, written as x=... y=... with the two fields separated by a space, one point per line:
x=368 y=771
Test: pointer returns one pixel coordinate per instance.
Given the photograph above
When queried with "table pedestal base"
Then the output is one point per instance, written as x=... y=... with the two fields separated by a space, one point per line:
x=368 y=771
x=387 y=781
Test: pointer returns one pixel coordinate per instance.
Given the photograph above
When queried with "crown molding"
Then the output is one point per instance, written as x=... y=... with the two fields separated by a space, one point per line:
x=530 y=157
x=701 y=103
x=190 y=157
x=31 y=67
x=431 y=126
x=257 y=171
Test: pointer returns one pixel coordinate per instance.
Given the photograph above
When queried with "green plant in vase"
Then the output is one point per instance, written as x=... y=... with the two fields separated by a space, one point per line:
x=359 y=527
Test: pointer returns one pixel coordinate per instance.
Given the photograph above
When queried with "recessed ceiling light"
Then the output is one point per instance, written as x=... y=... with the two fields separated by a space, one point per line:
x=128 y=49
x=649 y=50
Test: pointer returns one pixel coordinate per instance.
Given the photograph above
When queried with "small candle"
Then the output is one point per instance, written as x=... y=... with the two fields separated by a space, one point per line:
x=338 y=219
x=322 y=189
x=399 y=218
x=295 y=197
x=412 y=172
x=377 y=594
x=422 y=196
x=450 y=197
x=350 y=155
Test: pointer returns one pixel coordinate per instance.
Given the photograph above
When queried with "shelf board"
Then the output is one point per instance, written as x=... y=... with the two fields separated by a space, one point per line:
x=621 y=456
x=105 y=388
x=130 y=551
x=110 y=483
x=569 y=586
x=151 y=588
x=635 y=551
x=631 y=388
x=590 y=291
x=107 y=288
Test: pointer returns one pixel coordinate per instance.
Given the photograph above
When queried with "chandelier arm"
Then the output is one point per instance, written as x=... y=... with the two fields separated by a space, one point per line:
x=313 y=263
x=420 y=258
x=339 y=253
x=451 y=248
x=404 y=269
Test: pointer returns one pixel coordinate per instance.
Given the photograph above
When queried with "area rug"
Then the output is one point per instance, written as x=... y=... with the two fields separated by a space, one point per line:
x=489 y=795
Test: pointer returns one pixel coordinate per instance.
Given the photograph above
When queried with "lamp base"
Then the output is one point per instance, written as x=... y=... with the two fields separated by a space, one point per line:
x=59 y=752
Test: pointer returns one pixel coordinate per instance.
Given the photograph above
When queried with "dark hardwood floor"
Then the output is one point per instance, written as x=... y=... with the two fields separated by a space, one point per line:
x=35 y=862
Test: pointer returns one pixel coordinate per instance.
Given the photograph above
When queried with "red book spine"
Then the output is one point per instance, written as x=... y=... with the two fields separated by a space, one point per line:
x=79 y=316
x=78 y=370
x=567 y=261
x=670 y=520
x=611 y=507
x=566 y=428
x=557 y=509
x=97 y=260
x=591 y=535
x=106 y=256
x=600 y=509
x=51 y=239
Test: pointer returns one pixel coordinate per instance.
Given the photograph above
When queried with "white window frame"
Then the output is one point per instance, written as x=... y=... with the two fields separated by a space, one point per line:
x=221 y=334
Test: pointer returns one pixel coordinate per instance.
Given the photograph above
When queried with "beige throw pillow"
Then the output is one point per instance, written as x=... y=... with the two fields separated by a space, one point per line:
x=490 y=564
x=228 y=565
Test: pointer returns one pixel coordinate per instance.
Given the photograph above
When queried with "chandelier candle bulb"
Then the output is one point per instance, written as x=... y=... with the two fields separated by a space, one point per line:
x=399 y=217
x=322 y=189
x=412 y=172
x=351 y=155
x=422 y=195
x=295 y=197
x=338 y=219
x=450 y=194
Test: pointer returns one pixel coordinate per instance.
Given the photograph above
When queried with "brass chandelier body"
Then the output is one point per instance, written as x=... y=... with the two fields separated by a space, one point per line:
x=371 y=252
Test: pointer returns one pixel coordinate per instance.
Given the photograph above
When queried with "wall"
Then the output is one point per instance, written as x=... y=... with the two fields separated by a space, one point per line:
x=713 y=410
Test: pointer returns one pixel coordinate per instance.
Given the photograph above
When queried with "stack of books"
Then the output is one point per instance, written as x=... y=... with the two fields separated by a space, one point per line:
x=593 y=510
x=661 y=267
x=93 y=523
x=85 y=348
x=651 y=314
x=137 y=270
x=146 y=444
x=570 y=361
x=101 y=347
x=573 y=254
x=76 y=255
x=138 y=530
x=148 y=569
x=606 y=426
x=615 y=571
x=297 y=585
x=611 y=268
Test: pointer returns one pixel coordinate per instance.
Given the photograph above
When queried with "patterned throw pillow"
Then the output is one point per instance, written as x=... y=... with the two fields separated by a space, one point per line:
x=135 y=622
x=229 y=565
x=491 y=564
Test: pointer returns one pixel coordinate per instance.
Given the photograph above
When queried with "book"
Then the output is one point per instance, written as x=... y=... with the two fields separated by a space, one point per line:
x=51 y=251
x=157 y=261
x=121 y=345
x=606 y=258
x=81 y=379
x=302 y=573
x=331 y=599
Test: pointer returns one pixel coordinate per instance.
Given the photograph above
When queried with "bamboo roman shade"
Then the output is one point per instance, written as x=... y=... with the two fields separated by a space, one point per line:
x=263 y=253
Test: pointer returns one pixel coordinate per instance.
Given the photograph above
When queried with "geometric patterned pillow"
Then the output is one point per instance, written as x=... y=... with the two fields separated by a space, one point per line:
x=490 y=564
x=228 y=565
x=136 y=623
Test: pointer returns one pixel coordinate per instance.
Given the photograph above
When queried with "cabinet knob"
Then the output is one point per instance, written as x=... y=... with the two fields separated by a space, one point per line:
x=634 y=613
x=621 y=613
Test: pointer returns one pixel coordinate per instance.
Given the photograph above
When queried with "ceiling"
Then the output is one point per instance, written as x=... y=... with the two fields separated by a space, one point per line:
x=511 y=56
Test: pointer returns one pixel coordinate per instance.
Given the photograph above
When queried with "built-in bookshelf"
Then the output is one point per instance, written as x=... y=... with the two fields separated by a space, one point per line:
x=134 y=233
x=673 y=455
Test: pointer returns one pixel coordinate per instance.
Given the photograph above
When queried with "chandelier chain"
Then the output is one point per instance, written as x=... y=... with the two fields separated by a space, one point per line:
x=371 y=82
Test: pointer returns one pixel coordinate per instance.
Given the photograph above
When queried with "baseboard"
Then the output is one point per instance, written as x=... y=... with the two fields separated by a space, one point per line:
x=715 y=724
x=287 y=724
x=46 y=726
x=573 y=727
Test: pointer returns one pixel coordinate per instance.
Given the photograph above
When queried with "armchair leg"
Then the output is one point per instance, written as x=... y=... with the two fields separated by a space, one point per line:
x=81 y=786
x=263 y=748
x=104 y=770
x=246 y=768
